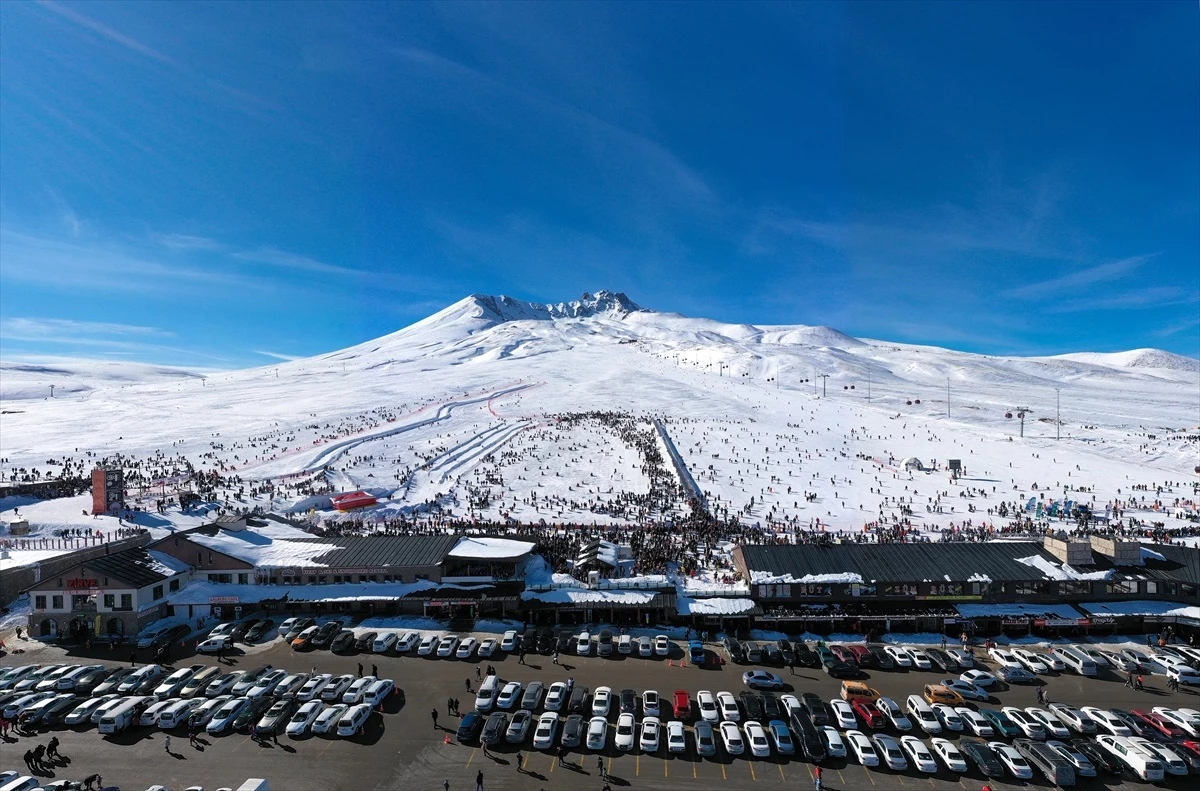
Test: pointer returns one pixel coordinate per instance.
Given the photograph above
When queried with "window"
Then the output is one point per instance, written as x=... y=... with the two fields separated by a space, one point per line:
x=321 y=579
x=219 y=577
x=243 y=579
x=158 y=592
x=57 y=602
x=110 y=601
x=60 y=582
x=1074 y=588
x=174 y=585
x=1123 y=586
x=126 y=601
x=199 y=558
x=1151 y=586
x=39 y=602
x=106 y=582
x=1172 y=588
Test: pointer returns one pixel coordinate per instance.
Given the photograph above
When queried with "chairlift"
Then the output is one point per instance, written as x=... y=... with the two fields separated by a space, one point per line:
x=1008 y=414
x=908 y=403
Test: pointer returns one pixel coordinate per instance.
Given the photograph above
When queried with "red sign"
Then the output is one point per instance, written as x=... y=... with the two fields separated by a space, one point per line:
x=82 y=583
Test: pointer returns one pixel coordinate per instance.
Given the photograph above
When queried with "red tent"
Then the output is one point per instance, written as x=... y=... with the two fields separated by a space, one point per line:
x=351 y=500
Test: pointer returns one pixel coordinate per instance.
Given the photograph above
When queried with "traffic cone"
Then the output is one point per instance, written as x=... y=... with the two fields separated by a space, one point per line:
x=447 y=739
x=683 y=662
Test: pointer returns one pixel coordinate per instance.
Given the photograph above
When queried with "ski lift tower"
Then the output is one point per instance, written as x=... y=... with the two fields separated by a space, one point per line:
x=1021 y=412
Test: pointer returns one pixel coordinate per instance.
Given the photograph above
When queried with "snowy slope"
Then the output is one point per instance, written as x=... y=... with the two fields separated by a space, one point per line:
x=465 y=408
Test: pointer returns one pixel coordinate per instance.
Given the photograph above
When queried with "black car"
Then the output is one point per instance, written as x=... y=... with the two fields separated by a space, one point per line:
x=1132 y=723
x=325 y=634
x=53 y=715
x=772 y=708
x=240 y=630
x=343 y=643
x=258 y=631
x=578 y=700
x=627 y=702
x=529 y=640
x=836 y=668
x=564 y=642
x=754 y=653
x=494 y=729
x=1103 y=760
x=546 y=642
x=252 y=712
x=147 y=686
x=89 y=681
x=982 y=756
x=785 y=648
x=942 y=660
x=752 y=704
x=736 y=653
x=815 y=707
x=573 y=730
x=883 y=660
x=808 y=736
x=804 y=655
x=298 y=626
x=469 y=728
x=365 y=642
x=771 y=654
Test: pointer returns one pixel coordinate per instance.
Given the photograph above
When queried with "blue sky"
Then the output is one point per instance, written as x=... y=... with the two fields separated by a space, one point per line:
x=227 y=185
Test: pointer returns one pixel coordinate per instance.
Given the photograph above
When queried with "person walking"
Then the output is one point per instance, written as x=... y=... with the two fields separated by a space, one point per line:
x=479 y=780
x=555 y=660
x=433 y=714
x=52 y=748
x=562 y=756
x=191 y=735
x=39 y=753
x=792 y=664
x=456 y=712
x=29 y=760
x=817 y=778
x=478 y=677
x=449 y=706
x=520 y=768
x=468 y=681
x=375 y=671
x=167 y=744
x=360 y=669
x=600 y=768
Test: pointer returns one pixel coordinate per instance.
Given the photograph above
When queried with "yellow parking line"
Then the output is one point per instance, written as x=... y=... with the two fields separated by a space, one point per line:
x=753 y=776
x=723 y=775
x=869 y=775
x=694 y=767
x=472 y=758
x=637 y=764
x=666 y=764
x=608 y=771
x=331 y=741
x=782 y=776
x=553 y=763
x=841 y=776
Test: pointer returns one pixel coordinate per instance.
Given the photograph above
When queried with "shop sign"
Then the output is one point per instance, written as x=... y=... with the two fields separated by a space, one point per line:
x=1100 y=620
x=1057 y=622
x=223 y=599
x=950 y=621
x=1015 y=621
x=958 y=597
x=79 y=584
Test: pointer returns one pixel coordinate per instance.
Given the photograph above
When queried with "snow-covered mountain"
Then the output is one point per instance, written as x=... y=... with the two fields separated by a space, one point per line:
x=484 y=390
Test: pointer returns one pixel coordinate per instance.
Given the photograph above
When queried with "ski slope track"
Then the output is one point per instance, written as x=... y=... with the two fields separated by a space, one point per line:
x=478 y=408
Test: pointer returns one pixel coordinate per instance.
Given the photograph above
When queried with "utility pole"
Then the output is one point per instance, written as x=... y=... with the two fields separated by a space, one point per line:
x=1057 y=415
x=822 y=377
x=52 y=391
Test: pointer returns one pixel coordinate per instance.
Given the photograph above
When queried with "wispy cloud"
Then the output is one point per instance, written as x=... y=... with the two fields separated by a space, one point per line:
x=281 y=258
x=1178 y=327
x=279 y=356
x=107 y=32
x=93 y=337
x=1140 y=299
x=1101 y=273
x=182 y=241
x=37 y=329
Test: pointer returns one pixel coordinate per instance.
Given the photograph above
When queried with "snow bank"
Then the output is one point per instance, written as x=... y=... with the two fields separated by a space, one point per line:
x=714 y=606
x=1150 y=554
x=486 y=547
x=1141 y=607
x=587 y=596
x=1053 y=571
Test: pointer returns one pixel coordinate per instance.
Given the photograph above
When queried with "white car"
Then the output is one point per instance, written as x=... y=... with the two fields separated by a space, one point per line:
x=651 y=703
x=171 y=685
x=648 y=741
x=790 y=703
x=82 y=713
x=1122 y=663
x=178 y=712
x=1183 y=674
x=731 y=737
x=706 y=702
x=357 y=690
x=843 y=712
x=312 y=688
x=920 y=712
x=447 y=646
x=14 y=707
x=601 y=701
x=291 y=685
x=303 y=719
x=214 y=644
x=486 y=649
x=676 y=741
x=965 y=689
x=834 y=746
x=1075 y=719
x=1054 y=727
x=949 y=755
x=428 y=645
x=761 y=679
x=918 y=754
x=353 y=721
x=1083 y=765
x=1004 y=657
x=510 y=693
x=625 y=732
x=729 y=707
x=1106 y=722
x=326 y=722
x=1034 y=663
x=889 y=750
x=154 y=711
x=756 y=737
x=556 y=696
x=544 y=732
x=891 y=710
x=508 y=641
x=645 y=646
x=974 y=722
x=224 y=684
x=407 y=642
x=1028 y=725
x=466 y=648
x=1013 y=761
x=1188 y=724
x=1053 y=662
x=962 y=656
x=583 y=644
x=227 y=714
x=662 y=645
x=898 y=655
x=862 y=748
x=948 y=717
x=980 y=678
x=597 y=733
x=1169 y=758
x=266 y=685
x=920 y=659
x=384 y=642
x=337 y=686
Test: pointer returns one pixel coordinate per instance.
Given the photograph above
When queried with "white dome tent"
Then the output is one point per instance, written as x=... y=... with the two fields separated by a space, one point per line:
x=912 y=462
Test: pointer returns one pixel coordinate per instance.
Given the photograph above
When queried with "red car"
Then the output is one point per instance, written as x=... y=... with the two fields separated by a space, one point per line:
x=1159 y=724
x=1190 y=745
x=683 y=704
x=845 y=654
x=868 y=713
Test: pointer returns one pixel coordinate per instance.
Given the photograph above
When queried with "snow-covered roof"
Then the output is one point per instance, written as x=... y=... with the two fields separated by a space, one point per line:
x=767 y=578
x=1140 y=607
x=589 y=596
x=202 y=592
x=716 y=605
x=1065 y=611
x=273 y=544
x=487 y=547
x=166 y=564
x=1053 y=571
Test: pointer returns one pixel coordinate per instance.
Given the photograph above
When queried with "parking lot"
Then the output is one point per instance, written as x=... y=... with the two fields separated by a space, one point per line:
x=401 y=748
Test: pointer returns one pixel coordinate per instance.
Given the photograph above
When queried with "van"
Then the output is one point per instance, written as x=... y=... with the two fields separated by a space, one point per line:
x=485 y=698
x=121 y=717
x=1075 y=660
x=857 y=690
x=625 y=644
x=1049 y=762
x=176 y=714
x=1145 y=766
x=353 y=720
x=936 y=693
x=378 y=691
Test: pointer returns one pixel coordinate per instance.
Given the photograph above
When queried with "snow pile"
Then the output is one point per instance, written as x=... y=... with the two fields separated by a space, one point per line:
x=718 y=605
x=273 y=545
x=589 y=596
x=1053 y=571
x=978 y=577
x=1159 y=608
x=767 y=578
x=165 y=564
x=487 y=547
x=1150 y=554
